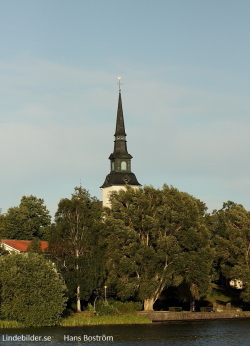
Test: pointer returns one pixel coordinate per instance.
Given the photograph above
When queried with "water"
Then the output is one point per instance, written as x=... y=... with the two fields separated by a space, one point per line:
x=195 y=333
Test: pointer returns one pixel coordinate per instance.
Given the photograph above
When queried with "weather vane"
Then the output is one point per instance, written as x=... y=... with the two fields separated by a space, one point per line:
x=119 y=83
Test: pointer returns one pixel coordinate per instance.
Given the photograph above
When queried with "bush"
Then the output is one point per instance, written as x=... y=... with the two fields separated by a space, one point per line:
x=90 y=308
x=104 y=308
x=125 y=307
x=31 y=290
x=115 y=307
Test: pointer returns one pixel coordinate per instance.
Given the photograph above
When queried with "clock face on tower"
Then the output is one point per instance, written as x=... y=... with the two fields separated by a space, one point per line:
x=126 y=179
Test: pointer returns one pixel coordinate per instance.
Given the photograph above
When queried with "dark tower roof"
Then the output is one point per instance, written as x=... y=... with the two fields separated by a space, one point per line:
x=120 y=127
x=120 y=144
x=120 y=173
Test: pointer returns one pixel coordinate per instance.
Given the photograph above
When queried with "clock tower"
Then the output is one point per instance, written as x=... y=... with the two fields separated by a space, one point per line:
x=120 y=160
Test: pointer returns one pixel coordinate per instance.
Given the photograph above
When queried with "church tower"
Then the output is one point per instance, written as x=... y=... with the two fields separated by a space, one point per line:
x=120 y=160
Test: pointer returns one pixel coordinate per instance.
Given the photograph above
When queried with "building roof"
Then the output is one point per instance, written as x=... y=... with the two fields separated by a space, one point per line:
x=120 y=175
x=120 y=144
x=120 y=127
x=120 y=179
x=22 y=245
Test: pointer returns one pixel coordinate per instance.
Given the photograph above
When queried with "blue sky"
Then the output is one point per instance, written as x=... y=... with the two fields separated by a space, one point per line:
x=186 y=85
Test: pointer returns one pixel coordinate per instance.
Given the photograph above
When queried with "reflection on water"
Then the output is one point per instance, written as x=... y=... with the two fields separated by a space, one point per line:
x=195 y=333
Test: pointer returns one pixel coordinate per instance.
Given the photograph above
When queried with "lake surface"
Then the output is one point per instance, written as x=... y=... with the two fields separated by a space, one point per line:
x=195 y=333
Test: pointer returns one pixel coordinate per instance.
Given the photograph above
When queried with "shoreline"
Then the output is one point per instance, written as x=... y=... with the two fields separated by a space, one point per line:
x=165 y=316
x=140 y=317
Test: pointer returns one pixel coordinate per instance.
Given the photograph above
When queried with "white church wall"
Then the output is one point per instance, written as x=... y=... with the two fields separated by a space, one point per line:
x=107 y=190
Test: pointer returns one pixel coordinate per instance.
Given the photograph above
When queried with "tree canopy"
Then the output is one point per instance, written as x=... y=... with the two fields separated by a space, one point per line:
x=26 y=221
x=31 y=290
x=231 y=237
x=73 y=243
x=148 y=241
x=156 y=239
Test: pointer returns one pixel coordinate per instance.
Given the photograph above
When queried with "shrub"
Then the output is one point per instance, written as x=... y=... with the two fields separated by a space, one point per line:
x=104 y=308
x=125 y=307
x=31 y=290
x=115 y=307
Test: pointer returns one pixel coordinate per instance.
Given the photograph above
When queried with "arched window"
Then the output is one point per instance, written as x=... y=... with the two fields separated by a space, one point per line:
x=124 y=166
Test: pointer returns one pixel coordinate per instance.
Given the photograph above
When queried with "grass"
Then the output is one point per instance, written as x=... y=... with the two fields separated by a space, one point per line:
x=219 y=294
x=223 y=295
x=81 y=319
x=10 y=324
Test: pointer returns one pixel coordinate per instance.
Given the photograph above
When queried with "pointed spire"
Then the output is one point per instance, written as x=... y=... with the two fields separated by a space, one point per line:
x=120 y=160
x=120 y=127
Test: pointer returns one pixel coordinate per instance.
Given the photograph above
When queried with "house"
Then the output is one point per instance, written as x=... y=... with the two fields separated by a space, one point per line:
x=18 y=246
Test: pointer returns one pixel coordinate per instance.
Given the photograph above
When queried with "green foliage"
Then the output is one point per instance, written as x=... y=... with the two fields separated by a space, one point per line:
x=2 y=218
x=31 y=290
x=103 y=308
x=90 y=308
x=11 y=324
x=156 y=239
x=125 y=307
x=35 y=246
x=74 y=243
x=26 y=221
x=231 y=238
x=115 y=307
x=80 y=319
x=3 y=252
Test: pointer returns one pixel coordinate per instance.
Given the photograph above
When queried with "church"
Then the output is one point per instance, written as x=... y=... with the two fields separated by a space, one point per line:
x=120 y=160
x=119 y=177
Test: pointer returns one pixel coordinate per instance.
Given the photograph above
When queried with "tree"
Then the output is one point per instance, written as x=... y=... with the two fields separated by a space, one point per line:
x=35 y=246
x=156 y=239
x=3 y=252
x=231 y=237
x=26 y=221
x=73 y=243
x=31 y=290
x=1 y=222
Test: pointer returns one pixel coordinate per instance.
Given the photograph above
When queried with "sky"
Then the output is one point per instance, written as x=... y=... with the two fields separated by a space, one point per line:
x=185 y=90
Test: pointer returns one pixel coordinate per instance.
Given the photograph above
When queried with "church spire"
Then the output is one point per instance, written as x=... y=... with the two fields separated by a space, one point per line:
x=120 y=160
x=120 y=127
x=120 y=147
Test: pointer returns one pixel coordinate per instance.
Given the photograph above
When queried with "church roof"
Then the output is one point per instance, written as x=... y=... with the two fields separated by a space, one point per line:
x=120 y=178
x=120 y=145
x=120 y=173
x=120 y=152
x=120 y=127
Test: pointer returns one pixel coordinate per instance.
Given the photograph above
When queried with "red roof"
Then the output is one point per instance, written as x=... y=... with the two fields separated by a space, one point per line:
x=22 y=245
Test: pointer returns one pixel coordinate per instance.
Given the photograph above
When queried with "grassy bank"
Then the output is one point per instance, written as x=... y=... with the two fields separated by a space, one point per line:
x=81 y=319
x=10 y=324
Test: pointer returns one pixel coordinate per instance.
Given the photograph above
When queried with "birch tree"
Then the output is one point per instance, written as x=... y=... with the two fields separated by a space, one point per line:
x=73 y=243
